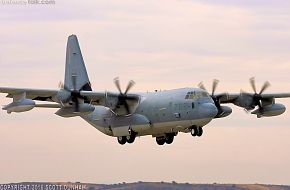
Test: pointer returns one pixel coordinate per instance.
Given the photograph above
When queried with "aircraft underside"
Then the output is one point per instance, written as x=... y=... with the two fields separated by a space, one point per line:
x=164 y=132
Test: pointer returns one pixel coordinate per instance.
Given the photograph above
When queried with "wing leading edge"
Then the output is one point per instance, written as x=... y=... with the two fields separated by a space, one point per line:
x=231 y=97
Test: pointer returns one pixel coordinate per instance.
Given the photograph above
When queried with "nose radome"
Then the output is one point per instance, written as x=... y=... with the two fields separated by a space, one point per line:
x=209 y=110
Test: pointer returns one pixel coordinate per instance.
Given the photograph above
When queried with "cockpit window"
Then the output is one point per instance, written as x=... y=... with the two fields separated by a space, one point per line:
x=204 y=94
x=196 y=95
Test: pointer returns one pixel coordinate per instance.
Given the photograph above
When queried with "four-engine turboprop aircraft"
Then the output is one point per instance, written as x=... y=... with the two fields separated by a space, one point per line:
x=125 y=115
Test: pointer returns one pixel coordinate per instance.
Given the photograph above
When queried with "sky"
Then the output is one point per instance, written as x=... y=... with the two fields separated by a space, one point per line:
x=160 y=44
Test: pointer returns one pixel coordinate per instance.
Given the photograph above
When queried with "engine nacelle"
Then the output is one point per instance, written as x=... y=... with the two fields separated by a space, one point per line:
x=224 y=112
x=244 y=101
x=63 y=96
x=22 y=105
x=112 y=102
x=70 y=111
x=270 y=110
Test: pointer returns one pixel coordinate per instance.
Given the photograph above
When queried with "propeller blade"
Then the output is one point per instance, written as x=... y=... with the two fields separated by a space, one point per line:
x=129 y=86
x=247 y=111
x=60 y=85
x=260 y=105
x=76 y=108
x=214 y=86
x=127 y=107
x=200 y=85
x=74 y=82
x=264 y=87
x=117 y=83
x=253 y=84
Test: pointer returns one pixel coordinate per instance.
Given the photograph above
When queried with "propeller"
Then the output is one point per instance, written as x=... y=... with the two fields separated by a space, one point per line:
x=200 y=85
x=257 y=97
x=215 y=98
x=123 y=97
x=74 y=93
x=214 y=86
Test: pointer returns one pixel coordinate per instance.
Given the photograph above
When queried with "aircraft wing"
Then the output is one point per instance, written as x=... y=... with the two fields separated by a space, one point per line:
x=96 y=98
x=33 y=94
x=231 y=97
x=276 y=95
x=102 y=98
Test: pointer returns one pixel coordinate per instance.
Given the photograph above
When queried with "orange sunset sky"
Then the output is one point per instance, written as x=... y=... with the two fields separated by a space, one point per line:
x=160 y=44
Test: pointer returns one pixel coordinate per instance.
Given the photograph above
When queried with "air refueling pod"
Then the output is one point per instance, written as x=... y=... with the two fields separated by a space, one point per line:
x=270 y=110
x=19 y=106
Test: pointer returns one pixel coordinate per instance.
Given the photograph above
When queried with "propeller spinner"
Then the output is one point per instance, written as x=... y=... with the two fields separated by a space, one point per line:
x=123 y=97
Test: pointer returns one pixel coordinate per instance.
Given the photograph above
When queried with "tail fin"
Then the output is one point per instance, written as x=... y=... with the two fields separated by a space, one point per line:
x=75 y=67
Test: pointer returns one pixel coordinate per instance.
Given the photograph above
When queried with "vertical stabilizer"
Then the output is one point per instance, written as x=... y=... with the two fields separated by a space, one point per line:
x=75 y=69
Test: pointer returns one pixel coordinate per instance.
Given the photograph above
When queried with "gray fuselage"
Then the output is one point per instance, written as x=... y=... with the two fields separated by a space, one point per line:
x=158 y=113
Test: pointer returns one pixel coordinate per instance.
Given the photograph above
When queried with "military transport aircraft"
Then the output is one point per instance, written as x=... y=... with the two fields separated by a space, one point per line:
x=162 y=114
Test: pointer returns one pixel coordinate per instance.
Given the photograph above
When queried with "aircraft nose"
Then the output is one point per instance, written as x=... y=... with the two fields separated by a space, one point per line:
x=208 y=110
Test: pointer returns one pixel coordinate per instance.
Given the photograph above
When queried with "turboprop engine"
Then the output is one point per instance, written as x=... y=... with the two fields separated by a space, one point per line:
x=22 y=105
x=70 y=111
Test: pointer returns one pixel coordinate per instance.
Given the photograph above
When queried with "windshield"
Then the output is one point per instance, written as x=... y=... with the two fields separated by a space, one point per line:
x=196 y=95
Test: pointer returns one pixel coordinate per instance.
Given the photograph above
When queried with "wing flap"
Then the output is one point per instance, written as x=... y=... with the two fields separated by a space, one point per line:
x=96 y=98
